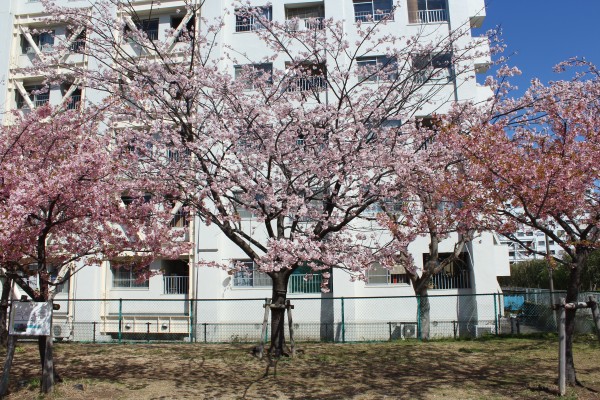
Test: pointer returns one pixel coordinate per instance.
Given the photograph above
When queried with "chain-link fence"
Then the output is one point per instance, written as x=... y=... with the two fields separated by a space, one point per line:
x=323 y=318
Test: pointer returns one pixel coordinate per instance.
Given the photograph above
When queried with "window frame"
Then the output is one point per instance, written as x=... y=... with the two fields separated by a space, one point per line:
x=380 y=63
x=391 y=279
x=259 y=70
x=126 y=276
x=253 y=23
x=432 y=68
x=387 y=14
x=249 y=275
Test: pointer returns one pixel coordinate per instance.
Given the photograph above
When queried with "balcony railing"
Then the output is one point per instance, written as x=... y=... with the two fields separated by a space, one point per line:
x=74 y=102
x=78 y=45
x=306 y=83
x=366 y=16
x=428 y=16
x=40 y=101
x=293 y=25
x=442 y=280
x=175 y=284
x=298 y=284
x=151 y=33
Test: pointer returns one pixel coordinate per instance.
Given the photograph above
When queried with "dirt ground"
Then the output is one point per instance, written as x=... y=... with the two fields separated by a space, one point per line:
x=498 y=368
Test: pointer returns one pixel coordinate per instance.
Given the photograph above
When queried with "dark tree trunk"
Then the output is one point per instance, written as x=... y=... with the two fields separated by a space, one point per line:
x=572 y=295
x=4 y=310
x=424 y=312
x=279 y=296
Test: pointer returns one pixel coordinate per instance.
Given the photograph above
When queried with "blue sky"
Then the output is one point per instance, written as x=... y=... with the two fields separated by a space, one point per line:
x=541 y=33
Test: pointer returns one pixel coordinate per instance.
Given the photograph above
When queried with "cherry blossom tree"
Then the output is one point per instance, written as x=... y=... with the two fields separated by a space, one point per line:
x=536 y=157
x=437 y=203
x=305 y=150
x=61 y=201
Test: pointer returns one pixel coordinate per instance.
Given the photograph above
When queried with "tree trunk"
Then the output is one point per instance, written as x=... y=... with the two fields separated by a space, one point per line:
x=424 y=313
x=6 y=287
x=279 y=296
x=572 y=294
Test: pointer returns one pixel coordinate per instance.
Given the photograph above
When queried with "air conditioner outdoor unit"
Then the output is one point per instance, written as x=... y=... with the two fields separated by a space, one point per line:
x=61 y=331
x=409 y=331
x=481 y=330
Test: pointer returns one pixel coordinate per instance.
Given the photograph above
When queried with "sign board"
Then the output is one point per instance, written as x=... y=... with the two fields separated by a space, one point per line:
x=30 y=319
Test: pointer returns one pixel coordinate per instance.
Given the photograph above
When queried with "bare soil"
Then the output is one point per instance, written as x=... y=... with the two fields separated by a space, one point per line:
x=493 y=368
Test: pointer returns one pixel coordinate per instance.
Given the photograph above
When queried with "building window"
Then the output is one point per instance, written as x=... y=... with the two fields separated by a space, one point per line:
x=304 y=18
x=190 y=26
x=432 y=68
x=253 y=21
x=427 y=11
x=44 y=40
x=250 y=276
x=126 y=276
x=455 y=275
x=150 y=28
x=253 y=71
x=373 y=10
x=377 y=68
x=307 y=77
x=378 y=275
x=78 y=44
x=37 y=94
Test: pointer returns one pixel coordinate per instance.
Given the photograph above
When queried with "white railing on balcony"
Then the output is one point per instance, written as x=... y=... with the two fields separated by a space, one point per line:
x=41 y=100
x=378 y=15
x=298 y=24
x=306 y=83
x=298 y=284
x=175 y=284
x=74 y=102
x=428 y=16
x=459 y=280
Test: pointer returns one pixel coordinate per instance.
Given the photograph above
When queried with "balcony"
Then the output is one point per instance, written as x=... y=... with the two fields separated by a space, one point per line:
x=175 y=284
x=306 y=24
x=368 y=16
x=428 y=16
x=307 y=83
x=74 y=102
x=443 y=280
x=298 y=284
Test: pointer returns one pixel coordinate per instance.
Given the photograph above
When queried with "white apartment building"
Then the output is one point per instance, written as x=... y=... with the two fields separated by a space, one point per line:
x=179 y=281
x=534 y=239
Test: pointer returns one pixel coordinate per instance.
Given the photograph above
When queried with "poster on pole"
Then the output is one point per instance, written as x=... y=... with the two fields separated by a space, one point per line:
x=30 y=319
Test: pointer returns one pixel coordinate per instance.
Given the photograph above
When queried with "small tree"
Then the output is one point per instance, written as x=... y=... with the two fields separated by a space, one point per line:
x=61 y=204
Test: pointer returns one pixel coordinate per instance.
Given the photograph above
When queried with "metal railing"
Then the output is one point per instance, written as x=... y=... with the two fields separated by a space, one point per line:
x=78 y=46
x=175 y=284
x=306 y=83
x=297 y=24
x=151 y=33
x=300 y=284
x=248 y=24
x=40 y=100
x=366 y=16
x=74 y=102
x=442 y=280
x=428 y=16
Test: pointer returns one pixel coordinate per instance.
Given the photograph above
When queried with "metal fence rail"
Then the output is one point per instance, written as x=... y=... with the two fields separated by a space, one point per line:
x=318 y=318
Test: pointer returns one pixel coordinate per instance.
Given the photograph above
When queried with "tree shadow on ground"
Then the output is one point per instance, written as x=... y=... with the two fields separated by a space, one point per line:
x=400 y=370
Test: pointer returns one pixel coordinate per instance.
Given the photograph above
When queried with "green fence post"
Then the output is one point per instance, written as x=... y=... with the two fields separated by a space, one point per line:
x=120 y=319
x=419 y=316
x=343 y=323
x=495 y=314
